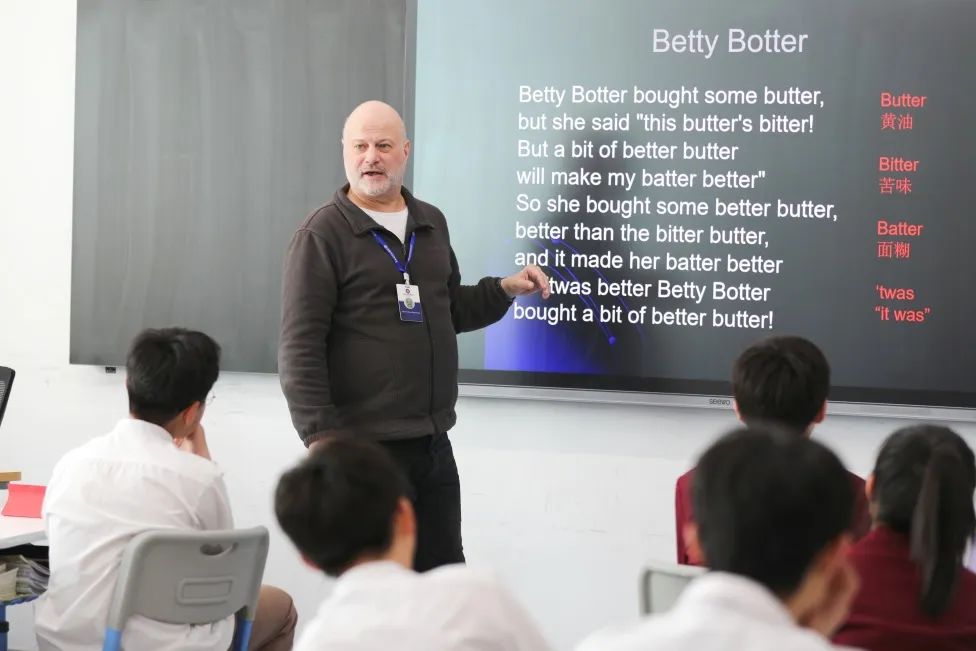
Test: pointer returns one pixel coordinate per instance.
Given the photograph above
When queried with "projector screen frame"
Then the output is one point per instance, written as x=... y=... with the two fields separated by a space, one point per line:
x=714 y=401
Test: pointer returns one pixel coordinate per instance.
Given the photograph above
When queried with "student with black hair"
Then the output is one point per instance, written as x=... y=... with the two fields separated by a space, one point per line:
x=152 y=471
x=915 y=592
x=773 y=512
x=346 y=509
x=783 y=381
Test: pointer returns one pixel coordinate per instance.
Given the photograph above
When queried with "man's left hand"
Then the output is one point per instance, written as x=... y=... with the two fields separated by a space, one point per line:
x=528 y=281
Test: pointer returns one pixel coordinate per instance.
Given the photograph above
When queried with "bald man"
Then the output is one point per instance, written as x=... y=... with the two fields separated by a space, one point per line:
x=371 y=307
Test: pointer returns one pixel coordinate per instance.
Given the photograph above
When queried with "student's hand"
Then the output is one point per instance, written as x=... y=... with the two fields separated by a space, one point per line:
x=528 y=281
x=832 y=612
x=196 y=443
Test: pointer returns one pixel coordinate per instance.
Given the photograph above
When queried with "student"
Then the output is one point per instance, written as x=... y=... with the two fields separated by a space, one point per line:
x=346 y=509
x=780 y=380
x=152 y=471
x=773 y=511
x=915 y=592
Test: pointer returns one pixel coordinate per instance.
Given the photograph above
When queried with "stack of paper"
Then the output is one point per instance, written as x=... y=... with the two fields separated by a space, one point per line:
x=8 y=583
x=31 y=575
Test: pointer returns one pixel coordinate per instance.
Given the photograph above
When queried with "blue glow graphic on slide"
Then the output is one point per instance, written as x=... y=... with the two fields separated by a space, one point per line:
x=535 y=346
x=605 y=279
x=587 y=300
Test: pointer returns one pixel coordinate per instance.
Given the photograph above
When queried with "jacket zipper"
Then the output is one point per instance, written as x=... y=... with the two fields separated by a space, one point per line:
x=430 y=346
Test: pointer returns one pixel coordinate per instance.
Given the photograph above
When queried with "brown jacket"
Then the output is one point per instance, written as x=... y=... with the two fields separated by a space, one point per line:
x=347 y=363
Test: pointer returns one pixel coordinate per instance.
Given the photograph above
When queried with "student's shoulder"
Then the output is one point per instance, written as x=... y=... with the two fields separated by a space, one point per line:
x=203 y=470
x=464 y=584
x=630 y=637
x=89 y=451
x=462 y=575
x=79 y=466
x=671 y=633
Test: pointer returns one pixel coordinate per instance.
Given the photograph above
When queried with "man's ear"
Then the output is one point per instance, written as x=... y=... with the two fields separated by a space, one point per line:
x=693 y=544
x=310 y=563
x=869 y=488
x=191 y=415
x=735 y=408
x=406 y=149
x=820 y=414
x=404 y=519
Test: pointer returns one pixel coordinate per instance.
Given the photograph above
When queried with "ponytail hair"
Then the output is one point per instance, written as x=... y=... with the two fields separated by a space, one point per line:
x=923 y=487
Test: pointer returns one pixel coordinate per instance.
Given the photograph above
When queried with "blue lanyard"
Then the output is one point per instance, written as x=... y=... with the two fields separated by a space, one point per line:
x=401 y=266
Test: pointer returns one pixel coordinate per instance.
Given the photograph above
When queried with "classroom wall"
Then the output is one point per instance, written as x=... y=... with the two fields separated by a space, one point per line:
x=564 y=500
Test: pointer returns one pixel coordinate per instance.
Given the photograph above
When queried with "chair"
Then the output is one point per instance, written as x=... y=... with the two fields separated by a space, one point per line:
x=189 y=577
x=6 y=382
x=661 y=583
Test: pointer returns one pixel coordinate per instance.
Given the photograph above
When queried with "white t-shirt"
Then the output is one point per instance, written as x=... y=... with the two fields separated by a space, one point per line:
x=395 y=222
x=379 y=606
x=100 y=496
x=716 y=612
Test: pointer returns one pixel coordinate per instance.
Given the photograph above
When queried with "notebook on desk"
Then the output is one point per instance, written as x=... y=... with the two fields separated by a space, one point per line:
x=24 y=501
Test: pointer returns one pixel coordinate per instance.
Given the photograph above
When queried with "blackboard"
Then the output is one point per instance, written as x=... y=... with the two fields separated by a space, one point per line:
x=204 y=132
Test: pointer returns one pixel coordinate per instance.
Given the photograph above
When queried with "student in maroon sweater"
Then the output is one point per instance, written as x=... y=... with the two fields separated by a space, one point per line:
x=781 y=380
x=915 y=592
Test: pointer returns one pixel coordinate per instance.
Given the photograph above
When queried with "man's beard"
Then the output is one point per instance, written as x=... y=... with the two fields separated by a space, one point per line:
x=372 y=187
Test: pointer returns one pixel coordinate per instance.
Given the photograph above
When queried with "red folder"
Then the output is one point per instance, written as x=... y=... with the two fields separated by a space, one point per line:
x=23 y=501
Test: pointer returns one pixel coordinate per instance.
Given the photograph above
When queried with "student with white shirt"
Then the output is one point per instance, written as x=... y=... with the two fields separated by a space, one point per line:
x=772 y=512
x=346 y=509
x=152 y=471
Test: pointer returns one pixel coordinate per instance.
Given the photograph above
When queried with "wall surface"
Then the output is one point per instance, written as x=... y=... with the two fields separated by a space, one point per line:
x=565 y=500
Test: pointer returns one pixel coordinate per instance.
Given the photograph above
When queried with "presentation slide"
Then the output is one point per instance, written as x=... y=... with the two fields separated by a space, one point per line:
x=694 y=176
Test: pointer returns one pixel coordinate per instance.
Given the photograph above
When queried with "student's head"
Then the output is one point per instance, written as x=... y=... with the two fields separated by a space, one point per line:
x=773 y=507
x=169 y=373
x=922 y=486
x=346 y=504
x=782 y=380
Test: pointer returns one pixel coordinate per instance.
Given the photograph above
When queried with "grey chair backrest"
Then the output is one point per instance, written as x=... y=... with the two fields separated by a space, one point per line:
x=6 y=383
x=190 y=577
x=661 y=583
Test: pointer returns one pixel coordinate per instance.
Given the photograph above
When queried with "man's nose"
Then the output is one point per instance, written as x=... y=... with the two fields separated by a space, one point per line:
x=372 y=154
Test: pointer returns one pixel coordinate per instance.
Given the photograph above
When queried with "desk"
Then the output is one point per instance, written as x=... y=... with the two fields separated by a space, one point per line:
x=20 y=531
x=14 y=532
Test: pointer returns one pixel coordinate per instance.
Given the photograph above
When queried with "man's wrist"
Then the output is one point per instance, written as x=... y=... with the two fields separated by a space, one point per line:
x=501 y=287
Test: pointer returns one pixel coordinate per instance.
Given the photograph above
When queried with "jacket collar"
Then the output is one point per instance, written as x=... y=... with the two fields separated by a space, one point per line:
x=361 y=223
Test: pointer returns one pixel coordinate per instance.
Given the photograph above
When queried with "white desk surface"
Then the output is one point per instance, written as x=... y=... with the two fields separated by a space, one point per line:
x=19 y=531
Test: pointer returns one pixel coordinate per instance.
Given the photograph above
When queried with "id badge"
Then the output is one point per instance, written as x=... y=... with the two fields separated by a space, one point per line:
x=408 y=300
